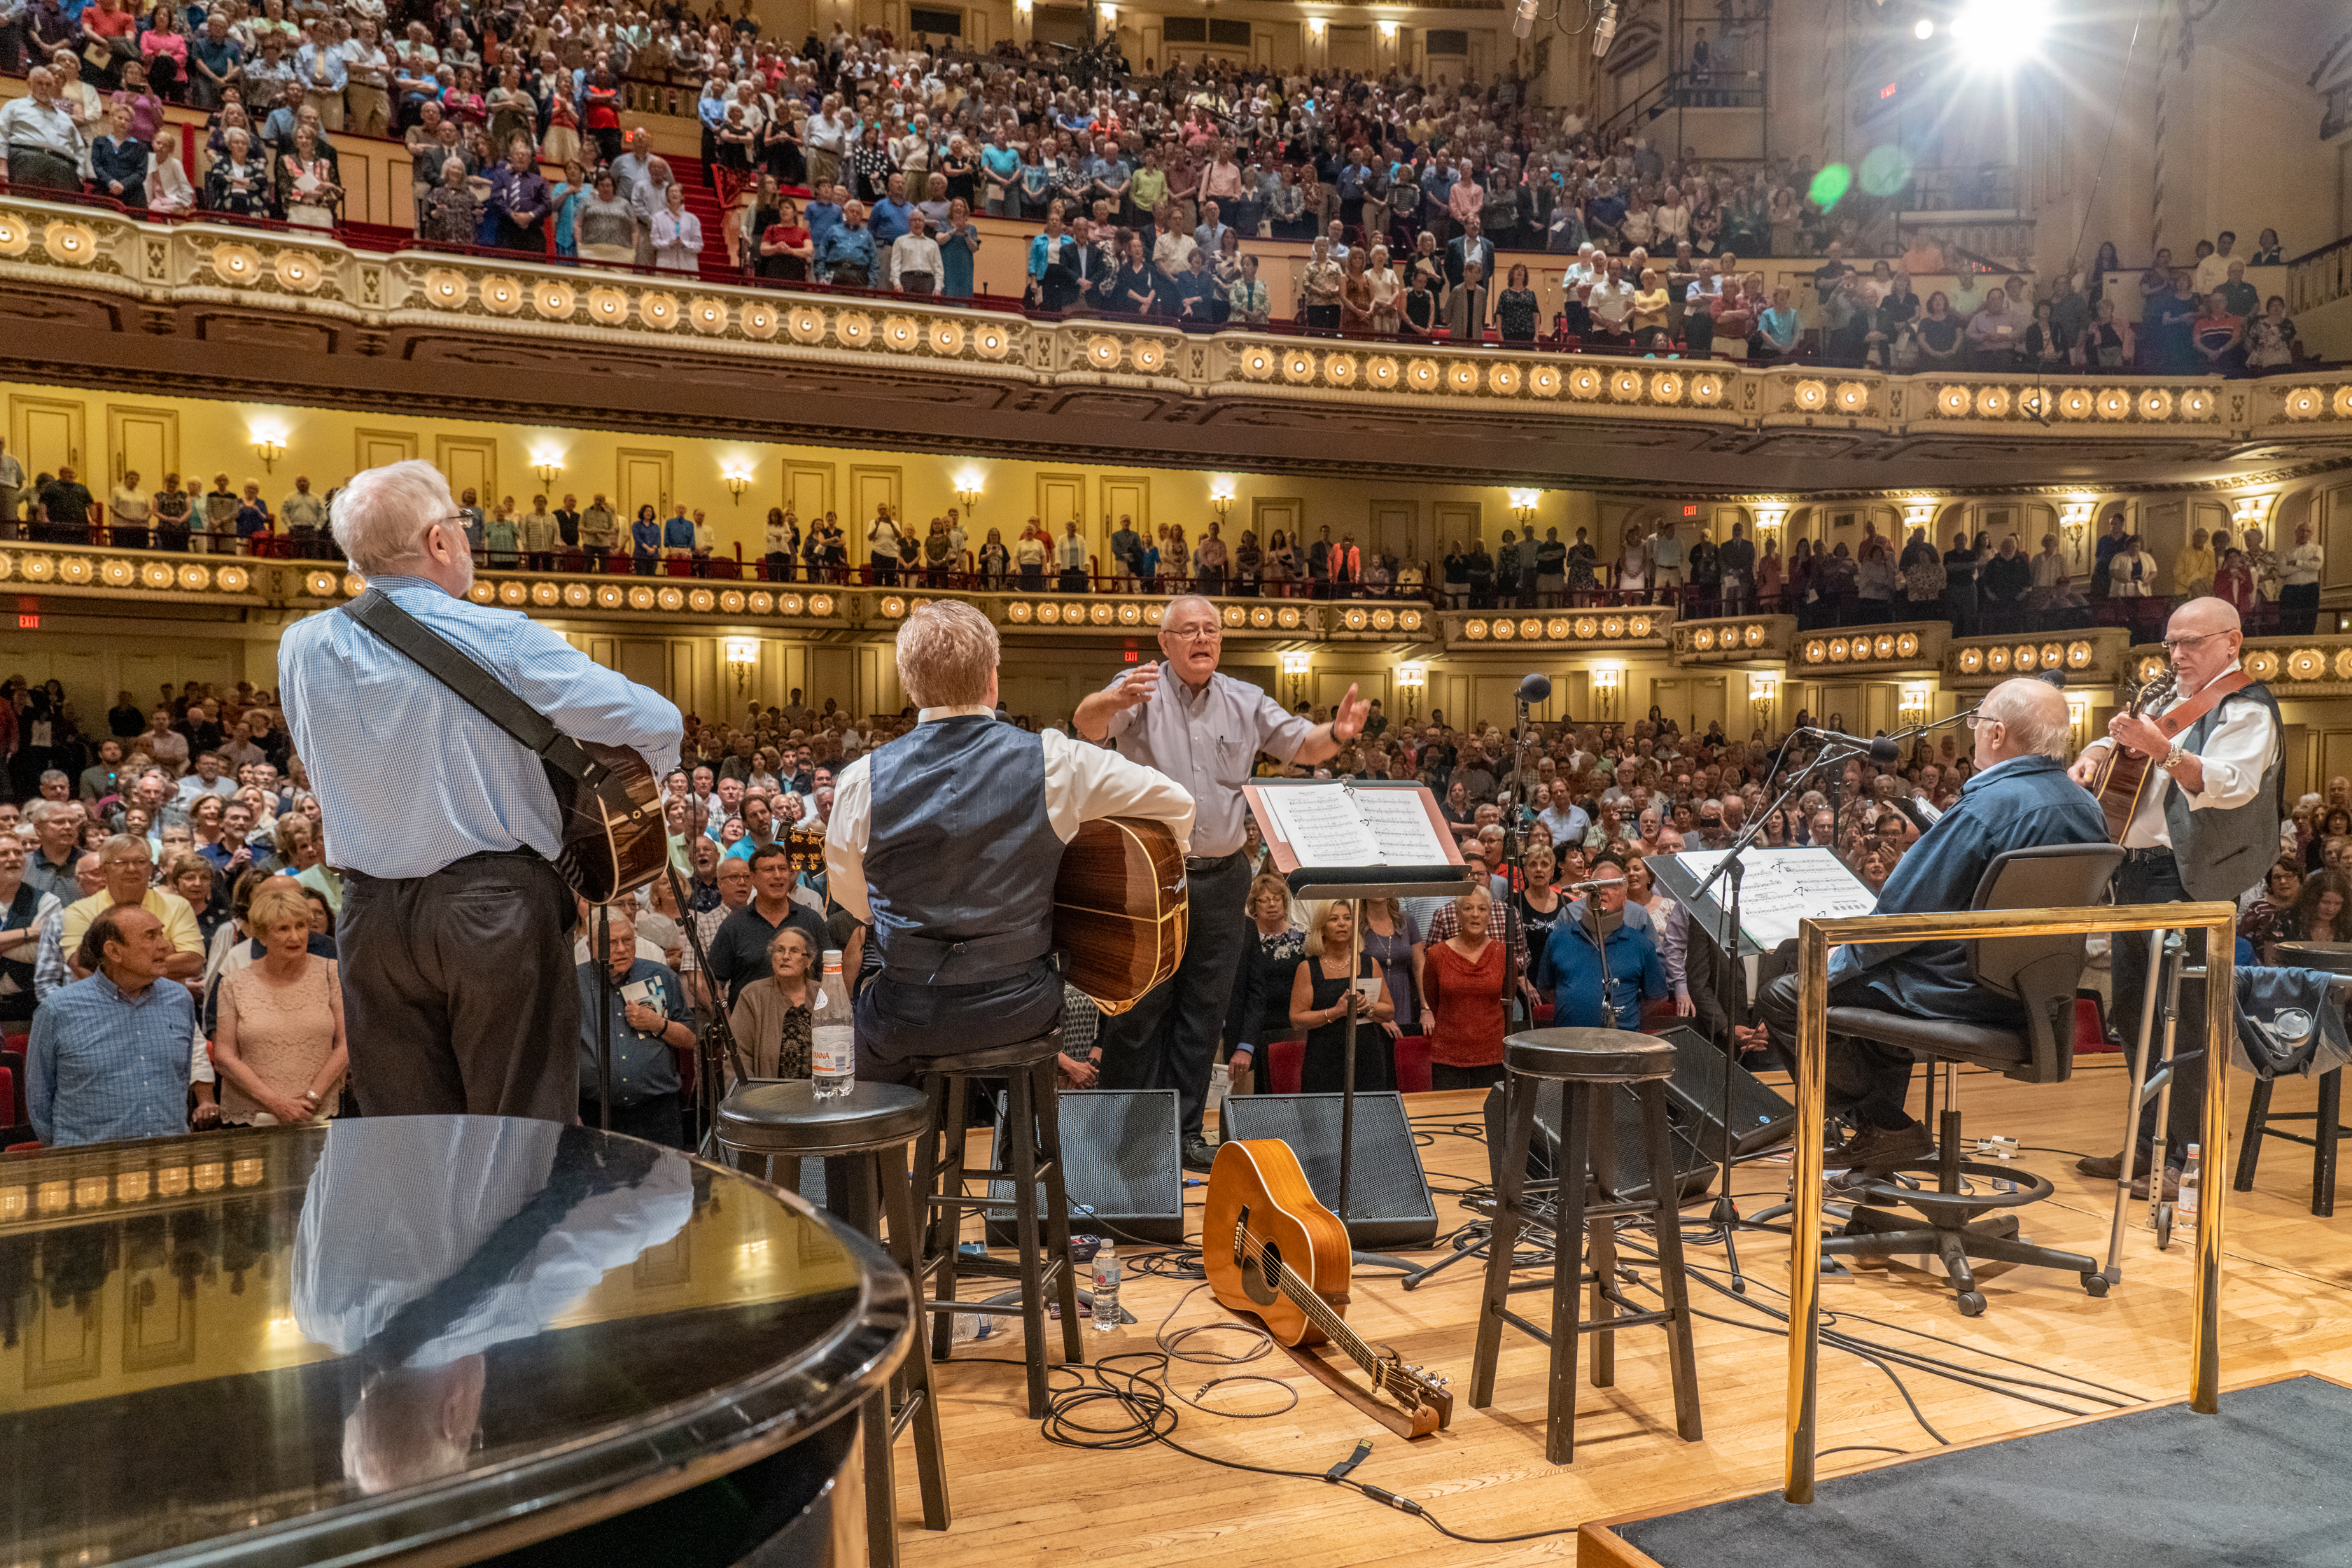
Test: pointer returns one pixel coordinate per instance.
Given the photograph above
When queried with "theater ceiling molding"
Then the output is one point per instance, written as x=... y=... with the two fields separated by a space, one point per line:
x=94 y=298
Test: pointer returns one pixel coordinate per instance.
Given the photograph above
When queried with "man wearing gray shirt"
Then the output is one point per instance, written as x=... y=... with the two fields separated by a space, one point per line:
x=1205 y=730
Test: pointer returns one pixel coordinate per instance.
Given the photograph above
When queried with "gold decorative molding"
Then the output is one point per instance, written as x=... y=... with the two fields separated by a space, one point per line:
x=310 y=275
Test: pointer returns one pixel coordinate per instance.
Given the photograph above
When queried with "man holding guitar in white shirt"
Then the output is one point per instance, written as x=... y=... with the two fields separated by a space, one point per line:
x=2205 y=825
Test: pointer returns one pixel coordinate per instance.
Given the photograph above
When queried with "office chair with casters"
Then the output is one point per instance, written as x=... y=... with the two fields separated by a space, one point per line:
x=2041 y=973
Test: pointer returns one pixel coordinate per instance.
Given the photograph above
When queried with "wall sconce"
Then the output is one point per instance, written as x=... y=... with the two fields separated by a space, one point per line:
x=1022 y=6
x=743 y=658
x=547 y=466
x=2250 y=511
x=1411 y=679
x=967 y=489
x=1912 y=707
x=2078 y=708
x=1607 y=678
x=1919 y=512
x=1768 y=519
x=1315 y=26
x=269 y=445
x=1295 y=666
x=738 y=481
x=1387 y=29
x=1762 y=690
x=1220 y=494
x=2075 y=520
x=1524 y=503
x=1109 y=17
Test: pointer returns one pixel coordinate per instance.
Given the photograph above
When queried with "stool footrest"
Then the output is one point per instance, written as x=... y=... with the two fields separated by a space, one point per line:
x=1630 y=1208
x=1591 y=1325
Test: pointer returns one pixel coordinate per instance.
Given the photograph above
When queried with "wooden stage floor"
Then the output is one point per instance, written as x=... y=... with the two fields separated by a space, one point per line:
x=2286 y=1306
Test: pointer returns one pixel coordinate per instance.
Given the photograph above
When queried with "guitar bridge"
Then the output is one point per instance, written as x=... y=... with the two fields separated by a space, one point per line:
x=1241 y=1237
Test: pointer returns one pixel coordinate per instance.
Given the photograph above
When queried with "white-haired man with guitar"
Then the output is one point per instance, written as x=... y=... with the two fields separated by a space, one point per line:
x=459 y=987
x=2189 y=777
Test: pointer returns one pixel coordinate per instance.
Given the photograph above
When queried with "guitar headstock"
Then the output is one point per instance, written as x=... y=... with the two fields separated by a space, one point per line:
x=2154 y=692
x=1417 y=1390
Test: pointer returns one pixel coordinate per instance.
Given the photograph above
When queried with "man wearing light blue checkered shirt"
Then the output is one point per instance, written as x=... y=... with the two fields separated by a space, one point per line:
x=109 y=1055
x=458 y=991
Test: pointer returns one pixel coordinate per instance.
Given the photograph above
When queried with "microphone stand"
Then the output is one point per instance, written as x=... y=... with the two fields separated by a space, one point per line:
x=1725 y=1212
x=716 y=1045
x=603 y=958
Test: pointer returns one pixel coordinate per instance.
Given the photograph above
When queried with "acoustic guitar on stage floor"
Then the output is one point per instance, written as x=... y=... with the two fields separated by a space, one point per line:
x=1274 y=1252
x=2122 y=779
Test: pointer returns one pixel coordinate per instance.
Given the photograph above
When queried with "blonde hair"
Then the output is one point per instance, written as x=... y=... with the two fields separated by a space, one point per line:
x=278 y=899
x=1318 y=910
x=947 y=654
x=1268 y=882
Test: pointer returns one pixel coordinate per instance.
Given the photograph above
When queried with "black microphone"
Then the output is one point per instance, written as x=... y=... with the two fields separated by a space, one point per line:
x=1536 y=689
x=1881 y=748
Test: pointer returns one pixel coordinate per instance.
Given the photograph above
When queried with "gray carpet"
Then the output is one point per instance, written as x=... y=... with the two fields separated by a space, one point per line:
x=2263 y=1484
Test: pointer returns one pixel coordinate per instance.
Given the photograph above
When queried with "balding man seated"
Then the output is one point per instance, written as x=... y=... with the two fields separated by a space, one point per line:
x=2018 y=798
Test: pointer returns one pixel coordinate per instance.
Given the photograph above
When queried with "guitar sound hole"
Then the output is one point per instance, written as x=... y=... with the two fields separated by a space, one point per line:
x=1263 y=1276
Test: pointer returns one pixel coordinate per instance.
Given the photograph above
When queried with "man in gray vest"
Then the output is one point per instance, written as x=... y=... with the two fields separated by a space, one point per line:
x=2206 y=827
x=946 y=842
x=1206 y=730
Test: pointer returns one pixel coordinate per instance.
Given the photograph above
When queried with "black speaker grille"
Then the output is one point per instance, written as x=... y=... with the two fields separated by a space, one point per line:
x=1390 y=1198
x=1119 y=1158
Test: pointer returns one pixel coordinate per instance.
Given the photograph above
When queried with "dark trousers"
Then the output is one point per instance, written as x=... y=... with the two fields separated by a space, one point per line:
x=1867 y=1083
x=2298 y=609
x=1443 y=1074
x=655 y=1120
x=2155 y=880
x=1169 y=1040
x=459 y=995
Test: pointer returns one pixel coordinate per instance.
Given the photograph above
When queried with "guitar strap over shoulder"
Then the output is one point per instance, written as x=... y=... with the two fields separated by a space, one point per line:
x=2183 y=714
x=444 y=662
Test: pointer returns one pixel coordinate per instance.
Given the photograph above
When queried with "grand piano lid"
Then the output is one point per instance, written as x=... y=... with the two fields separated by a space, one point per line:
x=290 y=1345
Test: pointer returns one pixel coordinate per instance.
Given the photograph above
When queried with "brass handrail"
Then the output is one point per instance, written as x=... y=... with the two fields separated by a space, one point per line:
x=1814 y=940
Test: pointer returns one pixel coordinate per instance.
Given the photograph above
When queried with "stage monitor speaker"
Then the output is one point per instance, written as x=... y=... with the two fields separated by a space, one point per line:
x=1390 y=1196
x=1759 y=1116
x=1120 y=1157
x=1628 y=1176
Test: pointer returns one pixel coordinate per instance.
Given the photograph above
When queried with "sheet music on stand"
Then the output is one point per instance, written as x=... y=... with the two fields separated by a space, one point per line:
x=1778 y=889
x=1376 y=838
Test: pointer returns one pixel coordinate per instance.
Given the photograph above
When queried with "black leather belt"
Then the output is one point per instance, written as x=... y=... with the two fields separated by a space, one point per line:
x=1210 y=862
x=2147 y=856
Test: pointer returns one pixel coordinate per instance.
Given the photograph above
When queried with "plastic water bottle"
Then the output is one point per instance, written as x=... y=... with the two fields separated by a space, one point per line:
x=2184 y=1209
x=1106 y=1302
x=833 y=1040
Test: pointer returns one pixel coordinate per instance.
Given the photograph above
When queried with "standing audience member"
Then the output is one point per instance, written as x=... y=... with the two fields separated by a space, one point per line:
x=279 y=1045
x=114 y=1056
x=650 y=1025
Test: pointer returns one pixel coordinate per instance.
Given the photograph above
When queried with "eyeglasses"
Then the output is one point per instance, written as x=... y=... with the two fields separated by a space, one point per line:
x=2175 y=646
x=1977 y=721
x=1195 y=634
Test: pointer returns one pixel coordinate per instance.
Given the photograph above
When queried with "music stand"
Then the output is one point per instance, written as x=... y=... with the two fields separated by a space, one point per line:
x=1352 y=885
x=1719 y=917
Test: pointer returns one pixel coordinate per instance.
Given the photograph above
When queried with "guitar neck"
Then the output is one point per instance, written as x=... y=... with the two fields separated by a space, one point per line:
x=1320 y=1313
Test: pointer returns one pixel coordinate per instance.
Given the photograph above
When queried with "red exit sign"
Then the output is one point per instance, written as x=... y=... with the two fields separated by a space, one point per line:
x=27 y=623
x=1690 y=512
x=1887 y=91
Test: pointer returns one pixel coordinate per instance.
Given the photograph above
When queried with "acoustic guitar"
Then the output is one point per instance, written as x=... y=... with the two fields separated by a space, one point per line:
x=1119 y=909
x=2119 y=782
x=615 y=837
x=1274 y=1252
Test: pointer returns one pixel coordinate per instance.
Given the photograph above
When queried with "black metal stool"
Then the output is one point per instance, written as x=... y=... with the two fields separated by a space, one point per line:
x=1029 y=1154
x=861 y=1137
x=1589 y=1065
